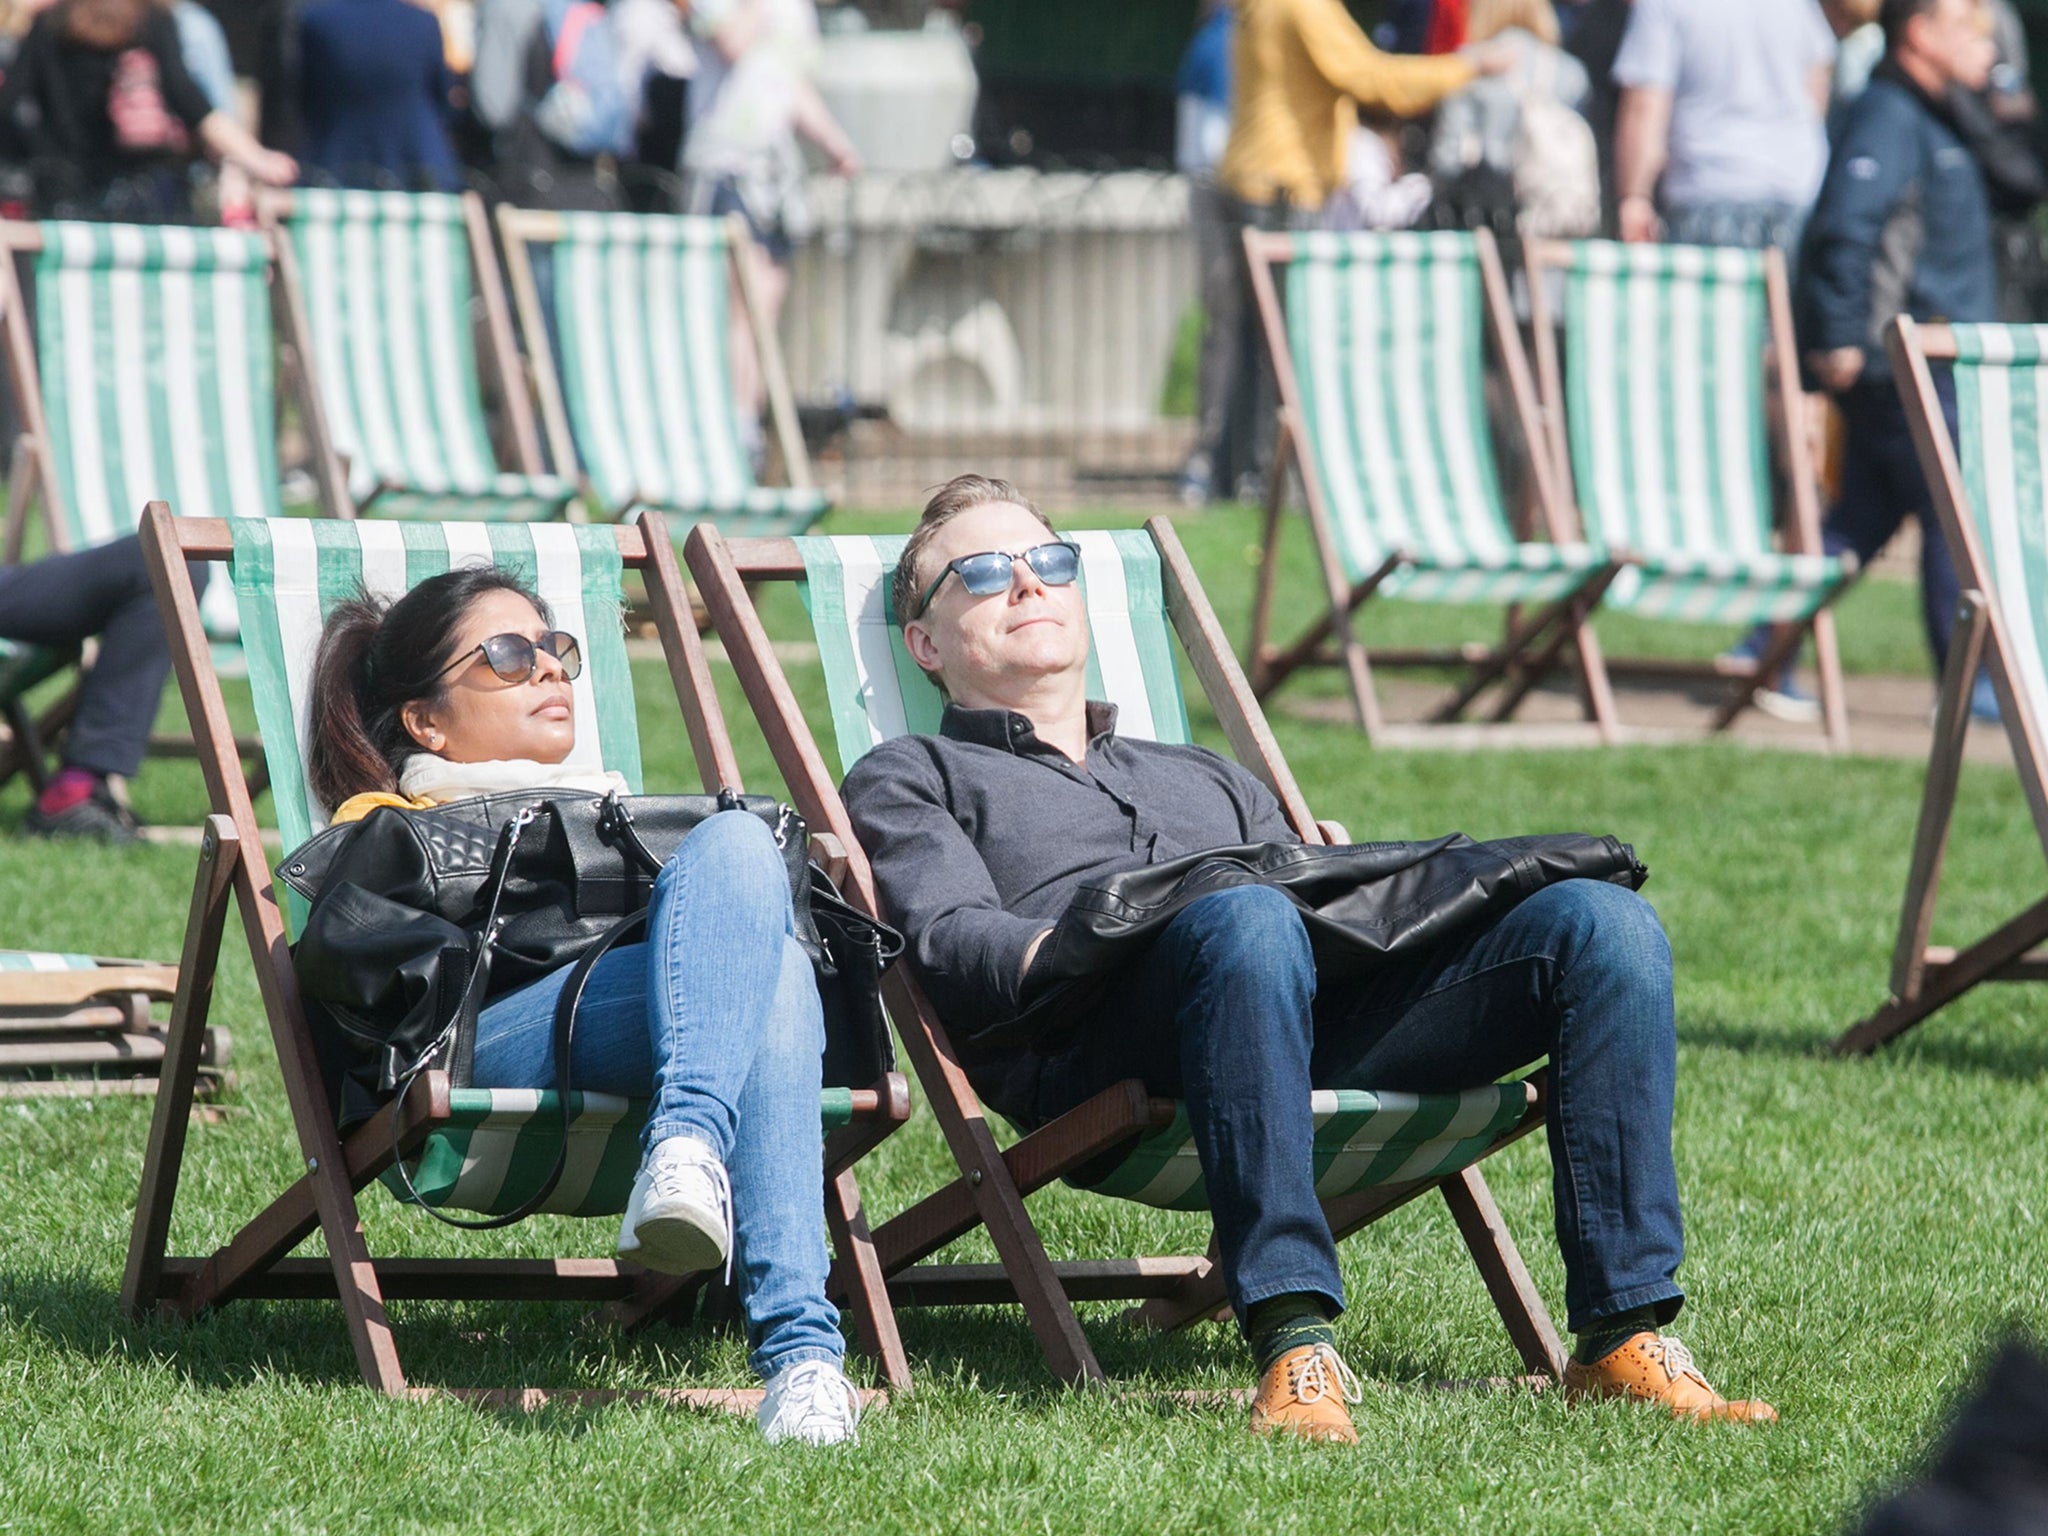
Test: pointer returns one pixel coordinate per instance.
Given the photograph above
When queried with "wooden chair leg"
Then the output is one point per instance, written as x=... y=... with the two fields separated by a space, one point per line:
x=1507 y=1278
x=1834 y=704
x=1785 y=642
x=219 y=855
x=867 y=1293
x=1595 y=689
x=1269 y=568
x=21 y=482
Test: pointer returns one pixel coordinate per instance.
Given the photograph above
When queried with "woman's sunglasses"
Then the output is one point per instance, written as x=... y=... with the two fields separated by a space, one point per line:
x=513 y=657
x=986 y=574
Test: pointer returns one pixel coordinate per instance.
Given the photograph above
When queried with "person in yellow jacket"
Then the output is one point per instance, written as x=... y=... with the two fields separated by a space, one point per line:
x=1302 y=69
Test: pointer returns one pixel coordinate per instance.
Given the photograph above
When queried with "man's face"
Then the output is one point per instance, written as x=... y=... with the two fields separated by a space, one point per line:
x=1955 y=38
x=989 y=648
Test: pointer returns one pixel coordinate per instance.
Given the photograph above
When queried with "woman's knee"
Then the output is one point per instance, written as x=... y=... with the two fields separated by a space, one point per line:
x=734 y=853
x=794 y=1030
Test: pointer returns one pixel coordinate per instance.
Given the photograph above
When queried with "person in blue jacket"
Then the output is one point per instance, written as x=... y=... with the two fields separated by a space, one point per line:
x=375 y=90
x=1903 y=226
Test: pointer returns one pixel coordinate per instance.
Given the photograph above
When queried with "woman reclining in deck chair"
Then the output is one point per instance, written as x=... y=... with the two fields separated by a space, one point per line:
x=463 y=687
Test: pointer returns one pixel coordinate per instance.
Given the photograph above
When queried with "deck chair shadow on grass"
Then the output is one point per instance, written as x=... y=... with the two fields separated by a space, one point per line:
x=377 y=290
x=469 y=1149
x=1374 y=1152
x=641 y=395
x=1990 y=488
x=1380 y=351
x=1676 y=389
x=146 y=376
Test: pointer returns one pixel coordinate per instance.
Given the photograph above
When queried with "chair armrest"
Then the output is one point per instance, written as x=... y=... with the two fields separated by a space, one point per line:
x=1333 y=832
x=830 y=854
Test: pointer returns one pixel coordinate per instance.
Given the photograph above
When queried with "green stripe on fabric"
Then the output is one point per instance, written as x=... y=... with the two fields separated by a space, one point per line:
x=824 y=595
x=1146 y=590
x=610 y=674
x=254 y=574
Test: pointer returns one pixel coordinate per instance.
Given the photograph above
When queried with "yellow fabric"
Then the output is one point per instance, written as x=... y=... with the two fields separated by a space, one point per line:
x=356 y=807
x=1303 y=68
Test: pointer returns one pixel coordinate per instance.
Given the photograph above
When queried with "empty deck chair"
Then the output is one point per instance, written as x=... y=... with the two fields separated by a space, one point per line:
x=1380 y=349
x=472 y=1149
x=1678 y=383
x=1374 y=1152
x=641 y=393
x=1990 y=488
x=379 y=289
x=78 y=1025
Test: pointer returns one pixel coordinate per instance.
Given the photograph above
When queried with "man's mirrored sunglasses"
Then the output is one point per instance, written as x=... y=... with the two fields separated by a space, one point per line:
x=513 y=657
x=987 y=573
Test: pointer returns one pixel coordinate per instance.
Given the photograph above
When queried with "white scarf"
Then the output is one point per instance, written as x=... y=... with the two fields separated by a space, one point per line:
x=427 y=777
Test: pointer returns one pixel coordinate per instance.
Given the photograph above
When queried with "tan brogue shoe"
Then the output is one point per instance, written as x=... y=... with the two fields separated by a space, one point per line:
x=1650 y=1368
x=1303 y=1393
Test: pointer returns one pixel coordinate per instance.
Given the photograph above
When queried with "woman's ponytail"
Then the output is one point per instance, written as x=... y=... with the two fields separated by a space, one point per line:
x=342 y=759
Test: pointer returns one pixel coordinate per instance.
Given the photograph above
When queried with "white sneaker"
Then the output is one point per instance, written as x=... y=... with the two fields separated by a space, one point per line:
x=811 y=1401
x=679 y=1220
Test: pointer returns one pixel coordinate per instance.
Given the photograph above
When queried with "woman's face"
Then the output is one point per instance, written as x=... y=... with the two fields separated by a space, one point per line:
x=480 y=717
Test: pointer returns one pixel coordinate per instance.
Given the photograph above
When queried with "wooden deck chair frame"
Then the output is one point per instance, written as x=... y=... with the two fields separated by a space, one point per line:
x=1532 y=644
x=993 y=1182
x=1926 y=978
x=1799 y=522
x=87 y=1015
x=254 y=1263
x=274 y=209
x=25 y=736
x=522 y=228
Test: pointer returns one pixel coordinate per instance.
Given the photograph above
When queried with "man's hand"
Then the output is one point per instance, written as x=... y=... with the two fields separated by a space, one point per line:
x=1838 y=370
x=1489 y=58
x=1638 y=216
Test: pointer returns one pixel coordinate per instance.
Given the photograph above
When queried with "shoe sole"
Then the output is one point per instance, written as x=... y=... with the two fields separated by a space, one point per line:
x=676 y=1245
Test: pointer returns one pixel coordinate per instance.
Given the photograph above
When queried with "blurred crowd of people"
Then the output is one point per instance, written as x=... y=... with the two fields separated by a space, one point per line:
x=105 y=105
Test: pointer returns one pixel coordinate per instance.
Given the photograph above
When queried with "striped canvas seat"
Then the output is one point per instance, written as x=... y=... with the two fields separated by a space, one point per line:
x=877 y=691
x=2002 y=445
x=42 y=960
x=640 y=307
x=1387 y=338
x=387 y=293
x=1666 y=420
x=288 y=575
x=154 y=351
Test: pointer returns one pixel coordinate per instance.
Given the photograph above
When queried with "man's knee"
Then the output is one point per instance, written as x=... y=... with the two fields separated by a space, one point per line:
x=1245 y=925
x=1592 y=923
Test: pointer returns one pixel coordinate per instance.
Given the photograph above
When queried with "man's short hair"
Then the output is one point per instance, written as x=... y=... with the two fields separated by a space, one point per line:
x=1893 y=15
x=962 y=493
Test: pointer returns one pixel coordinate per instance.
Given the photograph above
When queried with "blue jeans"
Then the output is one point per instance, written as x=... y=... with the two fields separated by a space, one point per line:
x=718 y=1014
x=1223 y=1011
x=1882 y=486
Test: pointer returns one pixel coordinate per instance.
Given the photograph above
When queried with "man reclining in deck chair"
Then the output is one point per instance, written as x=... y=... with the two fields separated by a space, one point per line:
x=61 y=602
x=980 y=836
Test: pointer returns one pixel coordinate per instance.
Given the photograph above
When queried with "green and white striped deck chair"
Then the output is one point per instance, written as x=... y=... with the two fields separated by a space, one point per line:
x=1372 y=1150
x=1382 y=368
x=641 y=394
x=152 y=381
x=480 y=1149
x=380 y=289
x=1990 y=487
x=1676 y=378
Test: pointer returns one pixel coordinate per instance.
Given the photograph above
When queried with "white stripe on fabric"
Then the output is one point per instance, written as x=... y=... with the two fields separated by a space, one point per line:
x=1457 y=352
x=1413 y=406
x=2008 y=548
x=381 y=550
x=468 y=544
x=444 y=274
x=379 y=444
x=1363 y=484
x=1176 y=1176
x=1688 y=354
x=295 y=567
x=1348 y=1167
x=487 y=1158
x=1109 y=629
x=684 y=485
x=132 y=369
x=625 y=278
x=90 y=506
x=405 y=361
x=717 y=413
x=1474 y=1109
x=560 y=564
x=589 y=1139
x=322 y=256
x=233 y=344
x=865 y=586
x=1607 y=497
x=1735 y=358
x=1646 y=412
x=192 y=479
x=580 y=278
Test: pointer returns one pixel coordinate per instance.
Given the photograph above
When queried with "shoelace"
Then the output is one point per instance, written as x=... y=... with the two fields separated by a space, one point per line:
x=672 y=1180
x=1324 y=1374
x=813 y=1397
x=1674 y=1357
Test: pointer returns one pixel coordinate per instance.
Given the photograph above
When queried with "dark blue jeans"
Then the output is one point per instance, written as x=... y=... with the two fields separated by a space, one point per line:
x=1882 y=486
x=1223 y=1011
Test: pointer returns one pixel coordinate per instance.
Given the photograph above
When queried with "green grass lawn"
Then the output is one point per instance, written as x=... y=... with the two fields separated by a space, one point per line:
x=1859 y=1231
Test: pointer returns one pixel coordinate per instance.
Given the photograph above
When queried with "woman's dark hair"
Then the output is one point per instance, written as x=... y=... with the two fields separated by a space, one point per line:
x=376 y=658
x=105 y=25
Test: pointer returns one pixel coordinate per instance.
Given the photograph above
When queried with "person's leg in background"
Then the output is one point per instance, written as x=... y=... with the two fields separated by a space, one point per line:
x=1219 y=256
x=63 y=601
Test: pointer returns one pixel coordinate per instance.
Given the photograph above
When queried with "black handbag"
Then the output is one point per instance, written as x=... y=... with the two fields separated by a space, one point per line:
x=420 y=917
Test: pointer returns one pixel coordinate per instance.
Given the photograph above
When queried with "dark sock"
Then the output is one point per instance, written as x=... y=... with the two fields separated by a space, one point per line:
x=1281 y=1323
x=1610 y=1333
x=71 y=786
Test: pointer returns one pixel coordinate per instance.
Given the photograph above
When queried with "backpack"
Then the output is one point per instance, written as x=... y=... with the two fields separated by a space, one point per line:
x=1556 y=164
x=587 y=110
